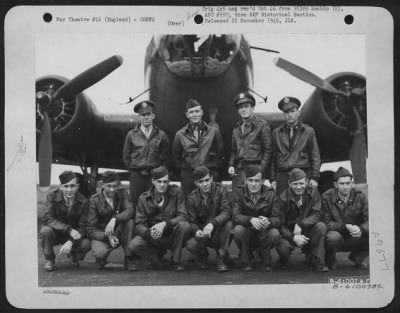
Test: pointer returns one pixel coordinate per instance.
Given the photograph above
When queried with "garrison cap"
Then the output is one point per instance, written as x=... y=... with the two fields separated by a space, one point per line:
x=341 y=172
x=296 y=174
x=252 y=170
x=159 y=172
x=144 y=107
x=288 y=103
x=66 y=176
x=191 y=103
x=109 y=177
x=244 y=97
x=200 y=172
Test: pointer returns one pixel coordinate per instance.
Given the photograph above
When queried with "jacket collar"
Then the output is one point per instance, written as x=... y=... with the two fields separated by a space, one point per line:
x=299 y=125
x=246 y=192
x=171 y=192
x=307 y=194
x=137 y=128
x=336 y=198
x=251 y=121
x=78 y=197
x=202 y=127
x=212 y=190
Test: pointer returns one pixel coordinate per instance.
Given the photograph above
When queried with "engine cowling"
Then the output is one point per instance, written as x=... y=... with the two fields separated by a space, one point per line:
x=332 y=115
x=70 y=119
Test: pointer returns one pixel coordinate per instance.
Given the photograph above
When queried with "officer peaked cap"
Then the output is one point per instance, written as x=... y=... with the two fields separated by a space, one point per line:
x=289 y=103
x=244 y=97
x=296 y=174
x=341 y=172
x=66 y=176
x=144 y=107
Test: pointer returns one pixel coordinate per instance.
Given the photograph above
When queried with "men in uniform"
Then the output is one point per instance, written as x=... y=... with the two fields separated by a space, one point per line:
x=196 y=144
x=294 y=146
x=65 y=222
x=161 y=221
x=301 y=224
x=345 y=211
x=210 y=216
x=146 y=147
x=251 y=141
x=110 y=219
x=256 y=218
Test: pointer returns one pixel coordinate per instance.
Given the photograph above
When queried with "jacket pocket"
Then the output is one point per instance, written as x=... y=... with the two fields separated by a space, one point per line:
x=254 y=151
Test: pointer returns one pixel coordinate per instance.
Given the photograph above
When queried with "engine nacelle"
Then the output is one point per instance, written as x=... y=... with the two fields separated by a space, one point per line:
x=71 y=120
x=332 y=115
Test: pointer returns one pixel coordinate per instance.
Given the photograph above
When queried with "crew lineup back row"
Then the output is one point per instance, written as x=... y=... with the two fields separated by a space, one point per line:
x=292 y=215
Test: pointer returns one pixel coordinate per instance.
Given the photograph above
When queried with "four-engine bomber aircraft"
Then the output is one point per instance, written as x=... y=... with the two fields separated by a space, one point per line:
x=213 y=69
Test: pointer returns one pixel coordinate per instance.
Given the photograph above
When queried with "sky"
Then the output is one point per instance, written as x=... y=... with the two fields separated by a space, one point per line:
x=69 y=54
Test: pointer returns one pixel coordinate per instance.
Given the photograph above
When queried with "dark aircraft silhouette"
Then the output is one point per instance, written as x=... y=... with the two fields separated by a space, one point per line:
x=213 y=69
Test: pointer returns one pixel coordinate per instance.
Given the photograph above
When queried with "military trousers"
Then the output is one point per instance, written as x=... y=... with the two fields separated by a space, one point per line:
x=153 y=249
x=315 y=246
x=101 y=247
x=336 y=241
x=49 y=238
x=220 y=240
x=248 y=239
x=139 y=182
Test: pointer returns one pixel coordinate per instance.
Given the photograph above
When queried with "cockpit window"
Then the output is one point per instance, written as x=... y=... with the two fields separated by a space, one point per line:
x=204 y=55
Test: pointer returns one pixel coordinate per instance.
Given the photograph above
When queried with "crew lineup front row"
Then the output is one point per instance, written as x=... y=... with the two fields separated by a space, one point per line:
x=256 y=218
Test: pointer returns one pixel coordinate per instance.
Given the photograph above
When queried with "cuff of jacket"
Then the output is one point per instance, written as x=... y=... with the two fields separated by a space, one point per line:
x=214 y=222
x=168 y=224
x=147 y=234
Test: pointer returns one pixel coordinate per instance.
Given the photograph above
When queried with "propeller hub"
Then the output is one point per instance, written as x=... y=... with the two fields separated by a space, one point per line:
x=43 y=99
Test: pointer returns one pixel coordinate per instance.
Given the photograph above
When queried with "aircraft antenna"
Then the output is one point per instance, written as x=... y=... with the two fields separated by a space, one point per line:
x=134 y=98
x=257 y=94
x=264 y=49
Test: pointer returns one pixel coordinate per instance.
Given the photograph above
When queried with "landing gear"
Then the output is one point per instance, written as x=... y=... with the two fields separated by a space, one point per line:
x=88 y=181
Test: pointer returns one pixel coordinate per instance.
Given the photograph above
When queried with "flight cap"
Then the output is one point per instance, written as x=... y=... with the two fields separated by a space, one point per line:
x=191 y=103
x=252 y=170
x=109 y=177
x=159 y=172
x=296 y=174
x=66 y=176
x=341 y=172
x=200 y=172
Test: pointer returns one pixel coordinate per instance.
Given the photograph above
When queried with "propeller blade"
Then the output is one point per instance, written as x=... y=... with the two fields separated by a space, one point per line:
x=306 y=76
x=45 y=152
x=88 y=77
x=358 y=152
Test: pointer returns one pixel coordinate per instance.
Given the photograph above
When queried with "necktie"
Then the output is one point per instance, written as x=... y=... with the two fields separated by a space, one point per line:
x=243 y=127
x=147 y=132
x=69 y=204
x=299 y=203
x=196 y=133
x=110 y=202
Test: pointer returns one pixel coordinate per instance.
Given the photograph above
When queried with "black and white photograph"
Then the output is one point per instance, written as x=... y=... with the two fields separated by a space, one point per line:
x=201 y=159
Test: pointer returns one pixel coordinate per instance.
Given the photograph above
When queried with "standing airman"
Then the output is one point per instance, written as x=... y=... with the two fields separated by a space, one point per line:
x=294 y=145
x=251 y=141
x=146 y=147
